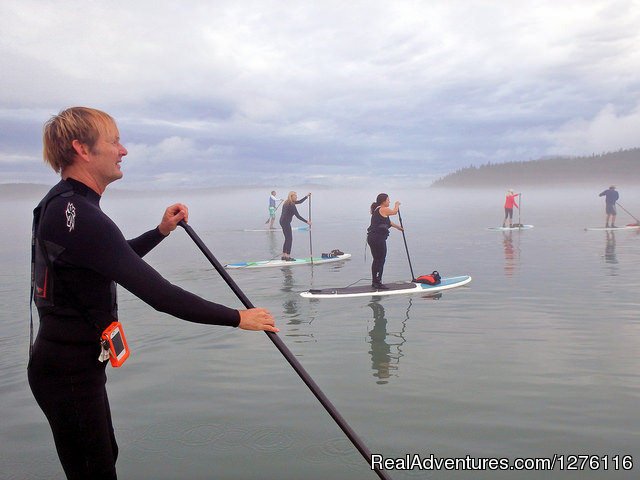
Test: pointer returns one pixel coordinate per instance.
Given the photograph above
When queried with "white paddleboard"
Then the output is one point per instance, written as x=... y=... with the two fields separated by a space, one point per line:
x=612 y=229
x=284 y=263
x=306 y=227
x=396 y=288
x=505 y=229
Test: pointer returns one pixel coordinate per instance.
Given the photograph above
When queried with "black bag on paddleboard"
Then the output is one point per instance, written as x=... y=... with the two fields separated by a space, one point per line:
x=431 y=279
x=333 y=254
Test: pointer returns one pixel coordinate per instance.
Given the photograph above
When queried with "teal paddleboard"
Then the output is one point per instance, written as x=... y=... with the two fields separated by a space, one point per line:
x=285 y=263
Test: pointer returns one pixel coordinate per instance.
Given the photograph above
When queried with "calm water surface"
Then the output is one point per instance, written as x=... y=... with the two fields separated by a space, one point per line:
x=540 y=354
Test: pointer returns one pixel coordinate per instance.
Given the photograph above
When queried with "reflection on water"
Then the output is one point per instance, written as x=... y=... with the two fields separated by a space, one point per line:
x=290 y=308
x=290 y=303
x=287 y=279
x=511 y=252
x=275 y=242
x=610 y=248
x=386 y=347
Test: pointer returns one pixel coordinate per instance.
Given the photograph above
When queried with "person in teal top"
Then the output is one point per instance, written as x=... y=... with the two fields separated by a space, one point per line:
x=272 y=208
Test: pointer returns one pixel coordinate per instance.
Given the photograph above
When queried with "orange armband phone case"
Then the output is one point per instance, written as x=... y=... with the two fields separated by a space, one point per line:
x=114 y=340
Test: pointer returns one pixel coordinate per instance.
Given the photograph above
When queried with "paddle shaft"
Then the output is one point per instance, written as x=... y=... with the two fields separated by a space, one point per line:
x=404 y=237
x=284 y=350
x=520 y=210
x=310 y=241
x=638 y=221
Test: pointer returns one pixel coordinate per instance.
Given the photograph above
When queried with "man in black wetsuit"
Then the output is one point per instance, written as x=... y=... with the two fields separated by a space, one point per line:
x=79 y=255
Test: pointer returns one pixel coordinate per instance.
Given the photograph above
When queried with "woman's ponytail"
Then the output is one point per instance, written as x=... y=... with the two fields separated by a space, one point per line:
x=380 y=199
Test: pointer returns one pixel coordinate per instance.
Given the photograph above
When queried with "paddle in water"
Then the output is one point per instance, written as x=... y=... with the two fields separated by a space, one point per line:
x=637 y=221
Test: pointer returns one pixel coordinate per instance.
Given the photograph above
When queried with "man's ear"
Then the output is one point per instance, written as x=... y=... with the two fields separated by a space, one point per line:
x=81 y=149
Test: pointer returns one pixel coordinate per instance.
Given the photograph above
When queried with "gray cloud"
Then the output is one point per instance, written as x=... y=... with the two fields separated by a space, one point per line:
x=248 y=92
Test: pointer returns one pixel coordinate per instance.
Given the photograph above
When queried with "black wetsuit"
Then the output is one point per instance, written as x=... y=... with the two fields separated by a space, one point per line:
x=377 y=234
x=79 y=256
x=286 y=216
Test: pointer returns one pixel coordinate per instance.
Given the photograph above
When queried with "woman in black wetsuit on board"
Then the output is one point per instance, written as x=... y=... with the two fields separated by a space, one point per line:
x=377 y=234
x=288 y=211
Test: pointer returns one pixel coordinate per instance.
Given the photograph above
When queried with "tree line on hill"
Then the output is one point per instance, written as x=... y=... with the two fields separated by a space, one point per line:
x=616 y=168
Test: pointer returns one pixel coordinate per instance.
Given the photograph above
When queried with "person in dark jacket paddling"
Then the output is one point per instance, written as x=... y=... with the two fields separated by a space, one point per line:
x=611 y=198
x=78 y=256
x=289 y=210
x=377 y=234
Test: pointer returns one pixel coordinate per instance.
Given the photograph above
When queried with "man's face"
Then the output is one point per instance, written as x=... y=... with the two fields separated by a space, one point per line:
x=106 y=156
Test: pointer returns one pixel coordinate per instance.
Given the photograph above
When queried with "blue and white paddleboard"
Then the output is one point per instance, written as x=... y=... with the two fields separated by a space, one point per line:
x=285 y=263
x=612 y=229
x=396 y=288
x=506 y=229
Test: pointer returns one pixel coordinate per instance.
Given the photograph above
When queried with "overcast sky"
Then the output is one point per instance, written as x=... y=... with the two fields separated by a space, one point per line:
x=280 y=93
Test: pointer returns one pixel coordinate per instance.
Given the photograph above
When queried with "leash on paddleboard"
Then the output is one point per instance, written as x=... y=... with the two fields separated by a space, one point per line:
x=637 y=221
x=284 y=350
x=404 y=237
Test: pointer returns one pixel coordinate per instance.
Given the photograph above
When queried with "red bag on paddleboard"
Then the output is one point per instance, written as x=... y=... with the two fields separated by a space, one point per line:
x=432 y=279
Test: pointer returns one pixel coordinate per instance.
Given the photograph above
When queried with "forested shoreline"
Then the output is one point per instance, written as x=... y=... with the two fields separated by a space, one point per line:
x=622 y=167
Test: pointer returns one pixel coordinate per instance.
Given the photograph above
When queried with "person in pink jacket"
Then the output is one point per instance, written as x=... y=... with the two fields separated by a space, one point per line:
x=509 y=203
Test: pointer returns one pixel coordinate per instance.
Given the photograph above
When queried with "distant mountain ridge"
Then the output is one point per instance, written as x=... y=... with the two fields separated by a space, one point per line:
x=617 y=168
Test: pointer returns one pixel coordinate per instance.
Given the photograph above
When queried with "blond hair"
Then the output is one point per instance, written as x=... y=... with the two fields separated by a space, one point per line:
x=290 y=199
x=76 y=123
